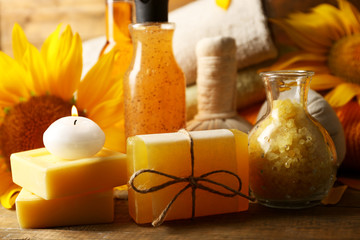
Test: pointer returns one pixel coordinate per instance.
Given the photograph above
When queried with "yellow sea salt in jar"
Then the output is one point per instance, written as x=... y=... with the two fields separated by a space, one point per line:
x=292 y=157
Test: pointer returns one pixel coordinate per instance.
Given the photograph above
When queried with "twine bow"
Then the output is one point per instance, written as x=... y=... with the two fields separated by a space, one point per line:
x=193 y=182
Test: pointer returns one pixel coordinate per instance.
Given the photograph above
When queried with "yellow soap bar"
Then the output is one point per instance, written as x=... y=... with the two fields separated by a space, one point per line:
x=170 y=153
x=50 y=177
x=90 y=208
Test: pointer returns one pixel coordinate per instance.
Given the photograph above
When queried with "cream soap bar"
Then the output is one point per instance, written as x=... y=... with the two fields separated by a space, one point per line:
x=50 y=177
x=91 y=208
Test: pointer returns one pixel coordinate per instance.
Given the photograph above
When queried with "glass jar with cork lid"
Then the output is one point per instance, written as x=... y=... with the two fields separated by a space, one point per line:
x=292 y=157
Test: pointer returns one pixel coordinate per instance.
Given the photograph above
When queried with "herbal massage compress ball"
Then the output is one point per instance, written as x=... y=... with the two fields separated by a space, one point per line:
x=320 y=109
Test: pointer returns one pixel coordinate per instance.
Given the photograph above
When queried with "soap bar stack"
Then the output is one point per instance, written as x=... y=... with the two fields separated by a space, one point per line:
x=59 y=192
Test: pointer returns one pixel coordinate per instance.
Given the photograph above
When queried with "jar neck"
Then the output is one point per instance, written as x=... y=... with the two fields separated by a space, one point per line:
x=119 y=14
x=281 y=85
x=152 y=36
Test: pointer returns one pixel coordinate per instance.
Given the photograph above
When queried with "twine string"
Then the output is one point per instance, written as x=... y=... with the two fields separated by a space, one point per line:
x=193 y=183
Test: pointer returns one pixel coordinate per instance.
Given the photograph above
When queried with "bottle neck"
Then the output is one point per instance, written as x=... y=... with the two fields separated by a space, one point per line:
x=293 y=85
x=119 y=14
x=152 y=37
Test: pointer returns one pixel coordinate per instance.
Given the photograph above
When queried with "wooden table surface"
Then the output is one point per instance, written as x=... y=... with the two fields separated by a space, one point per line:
x=341 y=221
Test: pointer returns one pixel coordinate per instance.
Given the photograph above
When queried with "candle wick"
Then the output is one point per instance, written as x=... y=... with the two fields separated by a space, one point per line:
x=75 y=122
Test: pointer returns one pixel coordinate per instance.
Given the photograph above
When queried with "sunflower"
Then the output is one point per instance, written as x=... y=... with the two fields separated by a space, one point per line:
x=328 y=41
x=38 y=87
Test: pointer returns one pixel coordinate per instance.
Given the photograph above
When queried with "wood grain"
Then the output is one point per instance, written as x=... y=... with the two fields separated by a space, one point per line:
x=322 y=222
x=39 y=18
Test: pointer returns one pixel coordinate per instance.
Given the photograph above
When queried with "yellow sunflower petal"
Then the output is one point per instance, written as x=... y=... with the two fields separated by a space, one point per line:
x=90 y=92
x=37 y=69
x=351 y=15
x=63 y=59
x=107 y=112
x=71 y=69
x=325 y=81
x=288 y=60
x=342 y=94
x=8 y=190
x=105 y=105
x=29 y=57
x=320 y=23
x=333 y=17
x=9 y=197
x=300 y=39
x=115 y=137
x=313 y=27
x=14 y=82
x=316 y=67
x=50 y=47
x=19 y=43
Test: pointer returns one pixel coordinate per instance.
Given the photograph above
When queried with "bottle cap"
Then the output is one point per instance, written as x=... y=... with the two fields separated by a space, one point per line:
x=151 y=10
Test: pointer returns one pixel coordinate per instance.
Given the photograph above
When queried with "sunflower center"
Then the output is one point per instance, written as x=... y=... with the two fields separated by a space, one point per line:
x=25 y=123
x=344 y=58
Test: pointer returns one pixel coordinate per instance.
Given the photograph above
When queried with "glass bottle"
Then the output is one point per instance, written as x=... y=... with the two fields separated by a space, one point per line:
x=119 y=14
x=292 y=158
x=154 y=85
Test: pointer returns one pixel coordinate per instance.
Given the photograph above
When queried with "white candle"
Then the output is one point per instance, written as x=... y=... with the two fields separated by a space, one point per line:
x=74 y=137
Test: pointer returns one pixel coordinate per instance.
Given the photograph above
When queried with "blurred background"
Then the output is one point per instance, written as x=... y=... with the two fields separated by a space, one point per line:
x=39 y=18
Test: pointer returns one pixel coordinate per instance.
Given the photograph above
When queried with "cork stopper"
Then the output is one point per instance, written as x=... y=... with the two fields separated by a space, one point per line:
x=151 y=10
